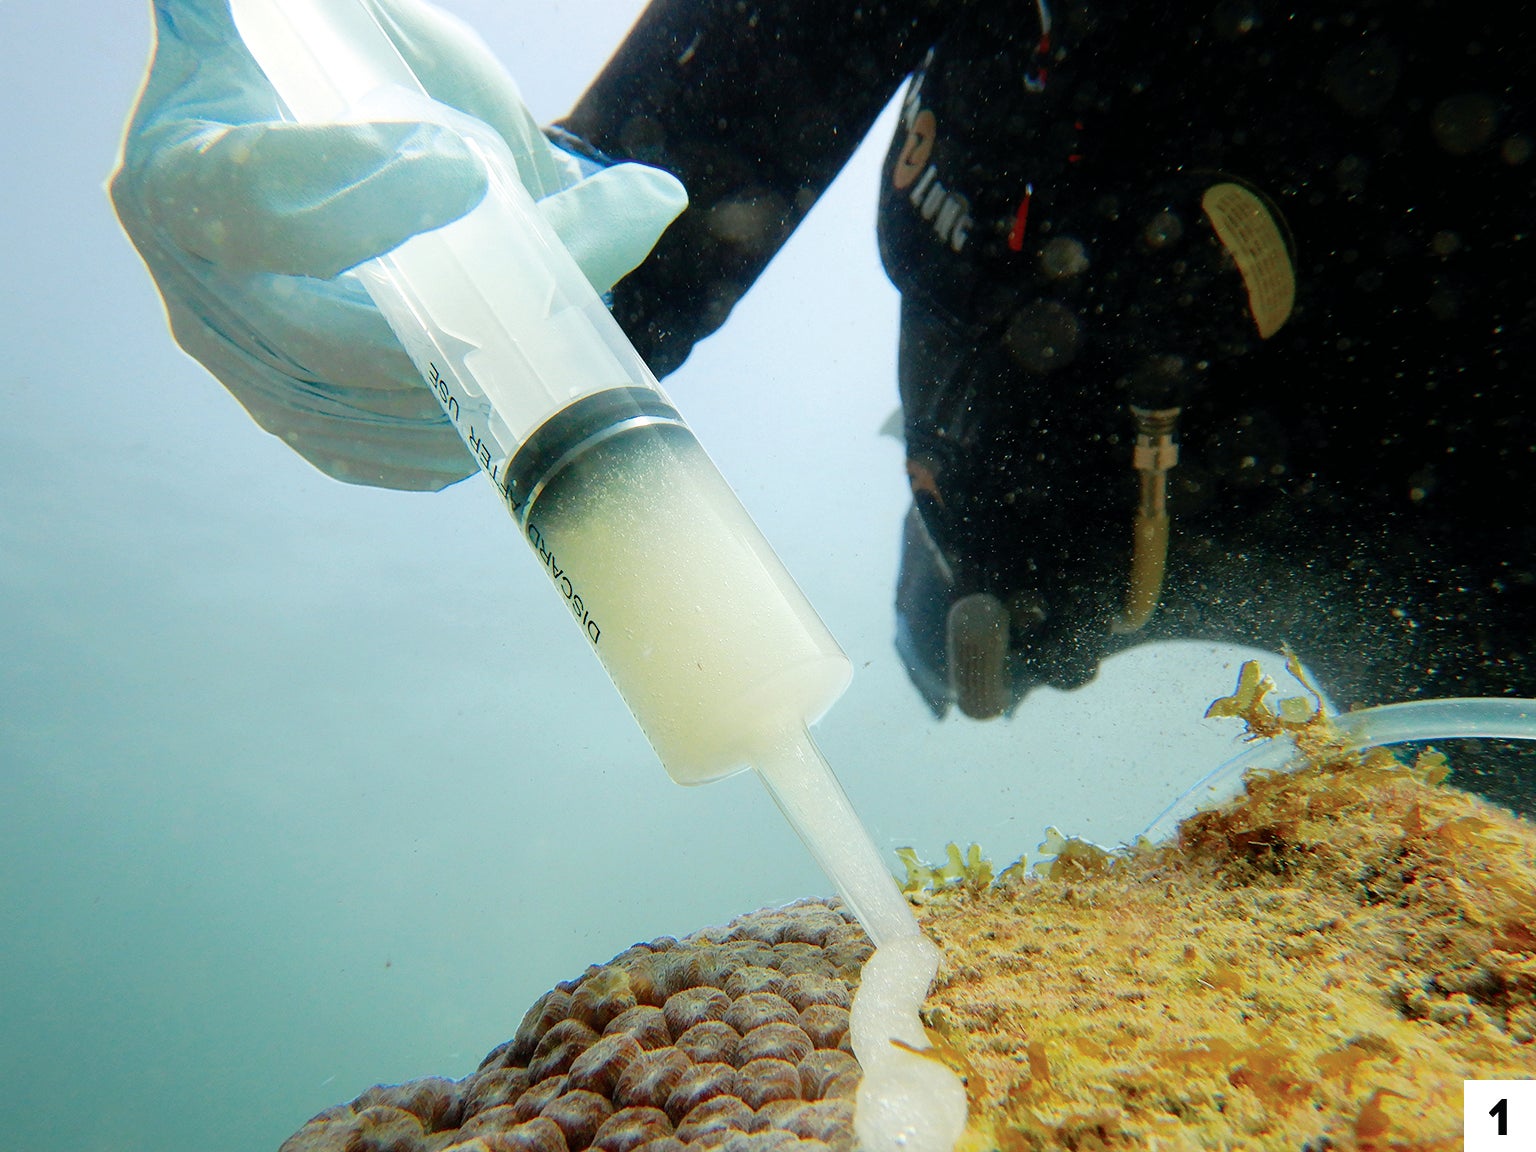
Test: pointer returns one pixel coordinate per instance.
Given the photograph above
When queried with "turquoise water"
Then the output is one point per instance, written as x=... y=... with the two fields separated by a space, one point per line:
x=305 y=787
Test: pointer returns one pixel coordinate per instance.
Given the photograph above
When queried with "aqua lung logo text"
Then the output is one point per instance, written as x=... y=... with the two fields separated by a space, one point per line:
x=947 y=212
x=564 y=583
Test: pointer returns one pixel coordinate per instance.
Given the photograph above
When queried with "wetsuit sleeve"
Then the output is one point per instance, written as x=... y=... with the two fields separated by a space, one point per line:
x=755 y=107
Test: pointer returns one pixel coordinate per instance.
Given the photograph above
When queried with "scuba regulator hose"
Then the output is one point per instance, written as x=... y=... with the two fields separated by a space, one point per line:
x=1154 y=455
x=1247 y=235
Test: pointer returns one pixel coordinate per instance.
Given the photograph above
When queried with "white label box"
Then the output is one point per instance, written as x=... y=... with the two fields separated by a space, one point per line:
x=1499 y=1115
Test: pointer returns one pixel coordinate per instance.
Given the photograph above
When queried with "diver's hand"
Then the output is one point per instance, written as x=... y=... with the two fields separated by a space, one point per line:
x=248 y=225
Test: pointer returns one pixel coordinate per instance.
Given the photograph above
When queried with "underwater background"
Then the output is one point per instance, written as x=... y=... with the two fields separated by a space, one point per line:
x=305 y=787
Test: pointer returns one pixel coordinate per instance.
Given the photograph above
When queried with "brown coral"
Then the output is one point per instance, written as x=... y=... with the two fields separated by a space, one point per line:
x=734 y=1038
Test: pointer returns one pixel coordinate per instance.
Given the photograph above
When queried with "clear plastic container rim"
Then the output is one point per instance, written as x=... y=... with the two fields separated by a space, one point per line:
x=1409 y=722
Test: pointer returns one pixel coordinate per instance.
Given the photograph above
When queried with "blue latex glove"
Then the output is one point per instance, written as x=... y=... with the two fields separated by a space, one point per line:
x=248 y=225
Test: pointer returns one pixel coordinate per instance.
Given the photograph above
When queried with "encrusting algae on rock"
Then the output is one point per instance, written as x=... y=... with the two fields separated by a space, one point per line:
x=1318 y=964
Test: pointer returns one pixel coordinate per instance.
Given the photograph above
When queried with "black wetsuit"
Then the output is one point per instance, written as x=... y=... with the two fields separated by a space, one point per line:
x=1355 y=483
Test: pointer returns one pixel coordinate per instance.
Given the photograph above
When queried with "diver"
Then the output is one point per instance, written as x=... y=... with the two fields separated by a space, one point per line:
x=1215 y=322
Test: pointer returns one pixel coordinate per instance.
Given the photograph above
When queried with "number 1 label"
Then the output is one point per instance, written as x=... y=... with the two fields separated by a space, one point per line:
x=1499 y=1115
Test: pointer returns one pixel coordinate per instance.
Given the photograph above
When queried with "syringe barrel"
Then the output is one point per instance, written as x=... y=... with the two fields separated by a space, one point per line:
x=703 y=631
x=697 y=622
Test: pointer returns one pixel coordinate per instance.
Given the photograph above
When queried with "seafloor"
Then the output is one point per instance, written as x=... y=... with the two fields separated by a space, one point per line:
x=1318 y=965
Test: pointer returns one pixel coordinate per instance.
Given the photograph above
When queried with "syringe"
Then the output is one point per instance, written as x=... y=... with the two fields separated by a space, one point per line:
x=716 y=651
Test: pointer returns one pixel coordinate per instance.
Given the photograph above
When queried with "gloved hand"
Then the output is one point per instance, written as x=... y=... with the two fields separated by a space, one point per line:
x=248 y=225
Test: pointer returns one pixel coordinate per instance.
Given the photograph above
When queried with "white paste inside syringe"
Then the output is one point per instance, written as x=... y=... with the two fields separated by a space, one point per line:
x=695 y=618
x=724 y=664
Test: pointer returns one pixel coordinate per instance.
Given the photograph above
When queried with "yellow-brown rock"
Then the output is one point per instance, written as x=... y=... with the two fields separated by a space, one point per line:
x=1318 y=965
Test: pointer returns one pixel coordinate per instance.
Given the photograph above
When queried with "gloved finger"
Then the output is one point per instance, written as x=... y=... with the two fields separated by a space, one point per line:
x=611 y=220
x=316 y=364
x=458 y=68
x=308 y=200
